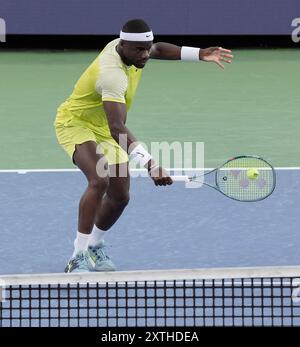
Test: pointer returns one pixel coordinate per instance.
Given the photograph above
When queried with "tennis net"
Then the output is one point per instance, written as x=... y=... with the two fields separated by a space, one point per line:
x=262 y=296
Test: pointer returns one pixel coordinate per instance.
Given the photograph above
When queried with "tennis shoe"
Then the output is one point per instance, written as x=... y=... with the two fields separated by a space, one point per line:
x=80 y=263
x=100 y=261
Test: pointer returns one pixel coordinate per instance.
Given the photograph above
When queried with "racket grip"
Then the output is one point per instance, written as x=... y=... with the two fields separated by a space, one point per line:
x=180 y=179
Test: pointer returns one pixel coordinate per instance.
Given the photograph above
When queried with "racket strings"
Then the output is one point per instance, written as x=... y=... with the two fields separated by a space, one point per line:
x=233 y=179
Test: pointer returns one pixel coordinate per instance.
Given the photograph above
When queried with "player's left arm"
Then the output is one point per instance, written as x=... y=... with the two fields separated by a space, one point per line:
x=168 y=51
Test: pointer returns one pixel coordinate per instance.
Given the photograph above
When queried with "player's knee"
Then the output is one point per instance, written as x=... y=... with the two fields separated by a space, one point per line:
x=121 y=200
x=99 y=184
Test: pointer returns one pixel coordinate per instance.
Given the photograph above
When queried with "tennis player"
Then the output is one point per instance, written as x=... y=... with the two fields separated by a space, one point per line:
x=91 y=122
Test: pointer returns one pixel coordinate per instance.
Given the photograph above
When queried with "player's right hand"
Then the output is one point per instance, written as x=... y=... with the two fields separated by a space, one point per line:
x=160 y=176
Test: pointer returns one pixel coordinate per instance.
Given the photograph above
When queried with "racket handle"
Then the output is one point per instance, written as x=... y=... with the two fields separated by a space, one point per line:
x=180 y=179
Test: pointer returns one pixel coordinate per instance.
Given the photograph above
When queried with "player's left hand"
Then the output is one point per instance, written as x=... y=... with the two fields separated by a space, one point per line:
x=216 y=55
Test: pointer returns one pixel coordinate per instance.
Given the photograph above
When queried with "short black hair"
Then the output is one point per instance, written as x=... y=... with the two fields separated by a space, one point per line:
x=136 y=26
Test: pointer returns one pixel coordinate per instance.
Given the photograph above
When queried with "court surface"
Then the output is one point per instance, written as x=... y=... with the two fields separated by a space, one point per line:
x=251 y=107
x=162 y=228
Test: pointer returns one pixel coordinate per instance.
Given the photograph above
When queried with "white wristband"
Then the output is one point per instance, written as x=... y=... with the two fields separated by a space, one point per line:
x=140 y=155
x=190 y=53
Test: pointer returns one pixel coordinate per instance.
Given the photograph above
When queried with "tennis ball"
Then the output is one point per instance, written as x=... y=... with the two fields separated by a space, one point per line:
x=252 y=173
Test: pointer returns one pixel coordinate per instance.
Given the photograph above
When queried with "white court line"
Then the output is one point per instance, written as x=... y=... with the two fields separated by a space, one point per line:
x=24 y=171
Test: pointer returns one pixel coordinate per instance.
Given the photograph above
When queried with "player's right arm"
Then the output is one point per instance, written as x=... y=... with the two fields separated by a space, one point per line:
x=116 y=116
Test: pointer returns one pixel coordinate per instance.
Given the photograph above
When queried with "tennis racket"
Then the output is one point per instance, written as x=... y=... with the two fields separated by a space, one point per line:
x=243 y=178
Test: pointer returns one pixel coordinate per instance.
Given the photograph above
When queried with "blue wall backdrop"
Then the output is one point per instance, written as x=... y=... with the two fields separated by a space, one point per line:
x=167 y=17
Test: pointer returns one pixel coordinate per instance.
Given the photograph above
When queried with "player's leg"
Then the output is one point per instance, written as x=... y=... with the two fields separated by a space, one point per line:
x=108 y=212
x=116 y=198
x=86 y=158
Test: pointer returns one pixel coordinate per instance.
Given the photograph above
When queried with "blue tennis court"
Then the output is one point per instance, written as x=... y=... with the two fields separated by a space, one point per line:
x=162 y=228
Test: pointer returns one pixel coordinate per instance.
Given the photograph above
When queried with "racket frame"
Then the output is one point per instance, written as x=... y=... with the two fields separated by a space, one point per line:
x=187 y=179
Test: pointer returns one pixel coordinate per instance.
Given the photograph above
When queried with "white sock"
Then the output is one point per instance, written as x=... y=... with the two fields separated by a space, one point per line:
x=81 y=243
x=96 y=236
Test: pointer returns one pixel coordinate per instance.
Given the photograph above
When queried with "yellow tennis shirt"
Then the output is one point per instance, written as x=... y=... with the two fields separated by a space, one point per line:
x=82 y=117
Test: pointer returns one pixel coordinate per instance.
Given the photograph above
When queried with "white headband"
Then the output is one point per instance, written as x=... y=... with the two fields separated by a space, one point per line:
x=147 y=36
